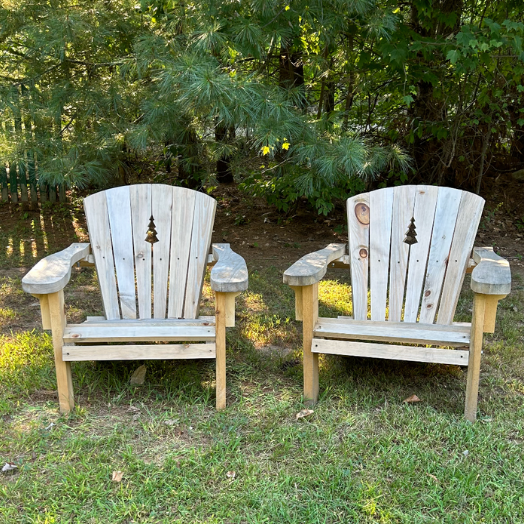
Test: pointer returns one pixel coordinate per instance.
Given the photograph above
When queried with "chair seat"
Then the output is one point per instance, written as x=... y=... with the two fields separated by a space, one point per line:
x=126 y=332
x=385 y=331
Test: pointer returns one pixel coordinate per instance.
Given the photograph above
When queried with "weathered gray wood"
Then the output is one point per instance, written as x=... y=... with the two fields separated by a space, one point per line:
x=119 y=211
x=129 y=332
x=381 y=210
x=388 y=331
x=468 y=218
x=138 y=352
x=100 y=235
x=311 y=268
x=52 y=273
x=358 y=213
x=200 y=321
x=183 y=211
x=162 y=207
x=229 y=274
x=203 y=221
x=403 y=204
x=492 y=275
x=391 y=352
x=140 y=214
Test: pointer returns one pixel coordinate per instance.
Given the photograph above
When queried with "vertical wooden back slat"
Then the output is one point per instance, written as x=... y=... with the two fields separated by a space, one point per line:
x=468 y=218
x=162 y=206
x=403 y=210
x=100 y=237
x=445 y=219
x=358 y=231
x=183 y=211
x=380 y=214
x=119 y=211
x=140 y=214
x=424 y=213
x=203 y=220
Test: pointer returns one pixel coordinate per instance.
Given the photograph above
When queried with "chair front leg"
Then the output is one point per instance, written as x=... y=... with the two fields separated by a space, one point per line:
x=220 y=326
x=309 y=311
x=64 y=378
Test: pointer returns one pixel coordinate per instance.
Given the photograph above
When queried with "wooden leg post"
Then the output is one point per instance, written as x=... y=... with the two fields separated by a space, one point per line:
x=475 y=350
x=309 y=318
x=220 y=321
x=63 y=369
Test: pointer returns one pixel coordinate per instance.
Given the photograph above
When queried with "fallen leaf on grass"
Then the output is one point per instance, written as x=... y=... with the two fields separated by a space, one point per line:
x=231 y=474
x=170 y=422
x=433 y=477
x=412 y=399
x=117 y=476
x=139 y=376
x=304 y=413
x=9 y=466
x=133 y=409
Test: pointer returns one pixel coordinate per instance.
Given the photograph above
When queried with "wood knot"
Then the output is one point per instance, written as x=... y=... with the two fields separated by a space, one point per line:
x=429 y=306
x=427 y=293
x=362 y=213
x=363 y=253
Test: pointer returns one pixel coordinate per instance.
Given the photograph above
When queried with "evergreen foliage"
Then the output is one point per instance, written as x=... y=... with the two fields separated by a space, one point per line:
x=302 y=99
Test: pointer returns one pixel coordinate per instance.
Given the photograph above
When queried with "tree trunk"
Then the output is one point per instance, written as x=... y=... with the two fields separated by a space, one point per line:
x=224 y=174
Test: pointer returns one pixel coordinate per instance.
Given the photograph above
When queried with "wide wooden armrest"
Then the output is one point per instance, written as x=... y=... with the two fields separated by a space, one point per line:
x=311 y=268
x=52 y=273
x=229 y=274
x=491 y=275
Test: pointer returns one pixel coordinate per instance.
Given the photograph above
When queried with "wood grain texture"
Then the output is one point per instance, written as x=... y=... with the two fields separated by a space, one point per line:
x=89 y=332
x=391 y=352
x=140 y=214
x=475 y=351
x=358 y=232
x=388 y=331
x=229 y=274
x=119 y=212
x=298 y=301
x=230 y=308
x=100 y=236
x=312 y=267
x=403 y=208
x=380 y=214
x=52 y=273
x=424 y=213
x=203 y=221
x=63 y=369
x=139 y=352
x=468 y=218
x=182 y=227
x=490 y=313
x=310 y=359
x=220 y=320
x=44 y=311
x=448 y=203
x=492 y=275
x=161 y=208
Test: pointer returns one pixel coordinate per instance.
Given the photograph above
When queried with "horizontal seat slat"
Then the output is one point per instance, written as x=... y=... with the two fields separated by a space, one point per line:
x=200 y=321
x=385 y=331
x=139 y=352
x=390 y=352
x=137 y=331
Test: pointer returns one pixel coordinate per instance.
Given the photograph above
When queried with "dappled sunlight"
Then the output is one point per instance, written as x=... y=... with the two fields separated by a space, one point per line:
x=254 y=302
x=334 y=298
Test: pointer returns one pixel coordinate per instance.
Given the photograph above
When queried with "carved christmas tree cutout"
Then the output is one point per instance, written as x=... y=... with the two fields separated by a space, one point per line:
x=411 y=233
x=151 y=232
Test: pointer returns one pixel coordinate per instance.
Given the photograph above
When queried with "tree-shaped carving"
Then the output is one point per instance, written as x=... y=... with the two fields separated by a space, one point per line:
x=151 y=232
x=411 y=233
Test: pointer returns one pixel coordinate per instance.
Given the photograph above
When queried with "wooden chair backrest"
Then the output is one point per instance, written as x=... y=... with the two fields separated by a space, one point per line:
x=164 y=278
x=422 y=279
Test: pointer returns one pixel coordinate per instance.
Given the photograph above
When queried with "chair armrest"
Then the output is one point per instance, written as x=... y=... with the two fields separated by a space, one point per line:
x=229 y=274
x=52 y=273
x=491 y=275
x=311 y=268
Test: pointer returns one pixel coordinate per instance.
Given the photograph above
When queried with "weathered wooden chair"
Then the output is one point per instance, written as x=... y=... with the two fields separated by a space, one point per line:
x=150 y=246
x=409 y=247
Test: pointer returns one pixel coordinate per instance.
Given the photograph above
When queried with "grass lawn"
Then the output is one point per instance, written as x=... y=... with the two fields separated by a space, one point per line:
x=363 y=455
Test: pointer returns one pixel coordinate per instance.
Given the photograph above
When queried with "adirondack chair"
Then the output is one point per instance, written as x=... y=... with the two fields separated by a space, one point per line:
x=409 y=249
x=150 y=246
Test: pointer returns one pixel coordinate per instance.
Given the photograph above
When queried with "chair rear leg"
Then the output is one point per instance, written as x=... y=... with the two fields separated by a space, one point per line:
x=309 y=319
x=63 y=369
x=475 y=350
x=220 y=322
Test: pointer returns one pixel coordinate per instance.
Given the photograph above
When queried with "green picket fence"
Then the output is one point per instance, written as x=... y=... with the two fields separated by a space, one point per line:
x=19 y=183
